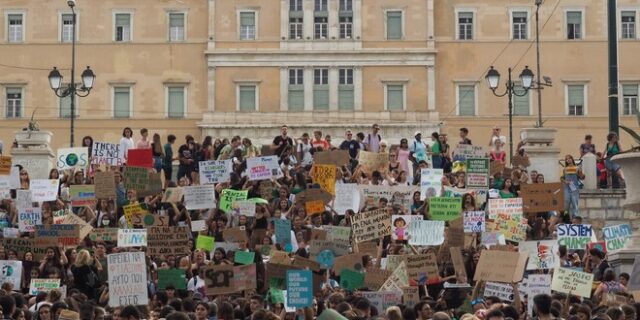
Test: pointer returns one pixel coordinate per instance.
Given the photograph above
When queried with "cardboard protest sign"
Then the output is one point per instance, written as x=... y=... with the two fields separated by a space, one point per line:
x=140 y=158
x=302 y=262
x=132 y=211
x=397 y=279
x=85 y=228
x=199 y=197
x=325 y=176
x=371 y=225
x=347 y=197
x=421 y=267
x=82 y=194
x=368 y=247
x=383 y=299
x=44 y=190
x=507 y=218
x=374 y=278
x=634 y=280
x=174 y=277
x=337 y=233
x=351 y=261
x=168 y=240
x=299 y=288
x=65 y=235
x=104 y=235
x=22 y=246
x=28 y=219
x=474 y=221
x=518 y=161
x=263 y=168
x=69 y=158
x=318 y=234
x=173 y=195
x=477 y=174
x=351 y=280
x=542 y=197
x=616 y=237
x=228 y=196
x=430 y=183
x=400 y=226
x=244 y=277
x=11 y=272
x=106 y=153
x=314 y=207
x=500 y=266
x=127 y=279
x=495 y=167
x=215 y=171
x=458 y=264
x=132 y=237
x=236 y=234
x=464 y=151
x=136 y=178
x=5 y=166
x=373 y=161
x=333 y=157
x=337 y=247
x=313 y=194
x=426 y=233
x=395 y=195
x=410 y=296
x=244 y=208
x=542 y=254
x=43 y=285
x=445 y=209
x=572 y=281
x=155 y=185
x=574 y=236
x=265 y=189
x=105 y=185
x=219 y=279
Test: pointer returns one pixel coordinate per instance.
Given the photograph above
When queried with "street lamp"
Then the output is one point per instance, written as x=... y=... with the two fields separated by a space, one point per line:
x=72 y=89
x=493 y=80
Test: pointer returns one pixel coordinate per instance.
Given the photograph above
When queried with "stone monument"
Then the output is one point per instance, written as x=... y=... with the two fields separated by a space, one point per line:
x=33 y=151
x=538 y=145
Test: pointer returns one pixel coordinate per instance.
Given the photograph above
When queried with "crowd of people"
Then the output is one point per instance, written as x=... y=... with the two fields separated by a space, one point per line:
x=83 y=270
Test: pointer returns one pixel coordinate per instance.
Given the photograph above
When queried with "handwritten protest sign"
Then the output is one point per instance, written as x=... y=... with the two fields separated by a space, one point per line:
x=464 y=151
x=574 y=236
x=104 y=235
x=371 y=225
x=426 y=232
x=244 y=208
x=43 y=285
x=244 y=277
x=445 y=209
x=336 y=233
x=127 y=279
x=132 y=237
x=395 y=195
x=507 y=218
x=474 y=221
x=351 y=280
x=65 y=235
x=140 y=158
x=314 y=207
x=421 y=267
x=44 y=190
x=131 y=211
x=313 y=194
x=477 y=174
x=5 y=165
x=199 y=197
x=400 y=226
x=105 y=185
x=263 y=168
x=82 y=194
x=373 y=161
x=430 y=183
x=85 y=228
x=215 y=171
x=167 y=240
x=23 y=199
x=173 y=195
x=69 y=158
x=534 y=285
x=381 y=300
x=136 y=178
x=511 y=206
x=11 y=272
x=572 y=281
x=496 y=167
x=334 y=157
x=500 y=266
x=374 y=278
x=299 y=288
x=106 y=153
x=235 y=234
x=5 y=188
x=616 y=237
x=325 y=176
x=542 y=197
x=347 y=197
x=397 y=279
x=518 y=161
x=28 y=219
x=542 y=254
x=219 y=279
x=228 y=196
x=22 y=246
x=155 y=185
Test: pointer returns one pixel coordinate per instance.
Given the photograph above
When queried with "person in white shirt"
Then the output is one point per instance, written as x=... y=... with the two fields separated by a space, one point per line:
x=495 y=135
x=303 y=150
x=126 y=143
x=372 y=141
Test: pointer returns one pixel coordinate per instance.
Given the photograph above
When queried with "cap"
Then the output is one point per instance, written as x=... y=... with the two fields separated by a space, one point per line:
x=417 y=133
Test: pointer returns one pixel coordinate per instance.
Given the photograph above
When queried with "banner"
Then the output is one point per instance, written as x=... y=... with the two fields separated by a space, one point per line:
x=264 y=168
x=11 y=272
x=430 y=183
x=572 y=281
x=445 y=209
x=200 y=197
x=132 y=237
x=400 y=226
x=542 y=197
x=299 y=288
x=229 y=196
x=44 y=190
x=616 y=237
x=464 y=151
x=69 y=158
x=500 y=266
x=574 y=236
x=215 y=171
x=107 y=154
x=168 y=240
x=43 y=285
x=55 y=235
x=105 y=185
x=426 y=233
x=371 y=225
x=28 y=219
x=140 y=158
x=373 y=161
x=347 y=198
x=325 y=176
x=474 y=221
x=82 y=194
x=542 y=254
x=127 y=279
x=477 y=174
x=395 y=195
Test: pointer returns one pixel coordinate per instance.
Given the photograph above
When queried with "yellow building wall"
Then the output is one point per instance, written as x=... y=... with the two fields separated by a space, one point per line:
x=414 y=23
x=266 y=78
x=374 y=79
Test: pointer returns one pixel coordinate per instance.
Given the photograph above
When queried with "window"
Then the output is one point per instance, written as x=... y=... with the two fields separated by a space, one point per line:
x=394 y=25
x=295 y=28
x=65 y=105
x=247 y=97
x=176 y=26
x=295 y=5
x=247 y=25
x=66 y=29
x=346 y=27
x=121 y=102
x=14 y=102
x=628 y=24
x=176 y=100
x=320 y=5
x=629 y=99
x=519 y=25
x=465 y=25
x=296 y=89
x=521 y=104
x=321 y=89
x=574 y=25
x=321 y=27
x=15 y=30
x=345 y=89
x=466 y=100
x=575 y=100
x=395 y=97
x=346 y=5
x=123 y=27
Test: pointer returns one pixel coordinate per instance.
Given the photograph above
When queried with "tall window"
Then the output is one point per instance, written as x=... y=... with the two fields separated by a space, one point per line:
x=65 y=105
x=247 y=97
x=630 y=99
x=296 y=89
x=466 y=100
x=395 y=97
x=320 y=5
x=123 y=27
x=394 y=25
x=296 y=19
x=15 y=31
x=519 y=25
x=575 y=99
x=628 y=24
x=14 y=102
x=66 y=29
x=176 y=98
x=321 y=89
x=247 y=25
x=320 y=19
x=295 y=5
x=346 y=19
x=574 y=25
x=465 y=25
x=121 y=102
x=345 y=89
x=176 y=26
x=521 y=105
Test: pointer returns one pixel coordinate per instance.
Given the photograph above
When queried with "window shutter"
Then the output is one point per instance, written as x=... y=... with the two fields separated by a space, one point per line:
x=321 y=98
x=395 y=97
x=576 y=95
x=345 y=98
x=247 y=98
x=467 y=16
x=394 y=25
x=121 y=98
x=123 y=19
x=296 y=98
x=630 y=90
x=176 y=20
x=247 y=19
x=466 y=100
x=521 y=104
x=520 y=16
x=176 y=102
x=574 y=17
x=65 y=107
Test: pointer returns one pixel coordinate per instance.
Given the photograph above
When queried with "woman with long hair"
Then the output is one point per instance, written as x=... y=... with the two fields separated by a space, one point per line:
x=126 y=143
x=87 y=142
x=85 y=274
x=613 y=147
x=571 y=176
x=158 y=152
x=24 y=179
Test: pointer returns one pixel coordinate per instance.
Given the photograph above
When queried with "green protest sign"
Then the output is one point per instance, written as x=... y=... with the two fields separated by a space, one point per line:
x=244 y=257
x=228 y=196
x=277 y=296
x=350 y=279
x=205 y=243
x=477 y=174
x=445 y=208
x=173 y=277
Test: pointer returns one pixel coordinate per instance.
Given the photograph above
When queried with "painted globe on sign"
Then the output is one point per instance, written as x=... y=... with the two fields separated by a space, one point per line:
x=72 y=159
x=7 y=271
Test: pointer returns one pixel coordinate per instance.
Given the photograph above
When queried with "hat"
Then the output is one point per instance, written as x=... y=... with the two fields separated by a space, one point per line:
x=417 y=133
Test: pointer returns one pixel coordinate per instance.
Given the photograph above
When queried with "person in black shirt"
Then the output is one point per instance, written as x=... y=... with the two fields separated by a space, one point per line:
x=186 y=155
x=350 y=144
x=464 y=132
x=281 y=142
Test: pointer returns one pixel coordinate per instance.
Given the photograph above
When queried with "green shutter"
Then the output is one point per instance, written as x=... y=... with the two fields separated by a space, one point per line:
x=121 y=106
x=395 y=97
x=465 y=15
x=247 y=19
x=122 y=19
x=394 y=25
x=574 y=17
x=176 y=20
x=320 y=97
x=296 y=98
x=65 y=107
x=521 y=104
x=247 y=98
x=176 y=102
x=467 y=100
x=630 y=90
x=345 y=97
x=576 y=95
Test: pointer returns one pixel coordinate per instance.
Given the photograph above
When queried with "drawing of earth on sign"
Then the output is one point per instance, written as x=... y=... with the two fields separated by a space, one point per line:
x=7 y=271
x=71 y=159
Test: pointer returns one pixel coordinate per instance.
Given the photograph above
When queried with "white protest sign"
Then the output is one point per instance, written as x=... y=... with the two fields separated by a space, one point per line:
x=198 y=225
x=473 y=221
x=381 y=300
x=23 y=199
x=11 y=232
x=11 y=271
x=504 y=291
x=199 y=197
x=347 y=197
x=127 y=279
x=69 y=158
x=430 y=183
x=44 y=190
x=534 y=285
x=426 y=232
x=43 y=285
x=263 y=168
x=464 y=151
x=400 y=195
x=244 y=208
x=132 y=237
x=5 y=187
x=106 y=153
x=542 y=254
x=572 y=281
x=215 y=171
x=28 y=219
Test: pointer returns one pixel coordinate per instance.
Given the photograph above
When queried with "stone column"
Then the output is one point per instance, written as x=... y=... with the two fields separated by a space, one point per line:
x=542 y=154
x=34 y=153
x=590 y=171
